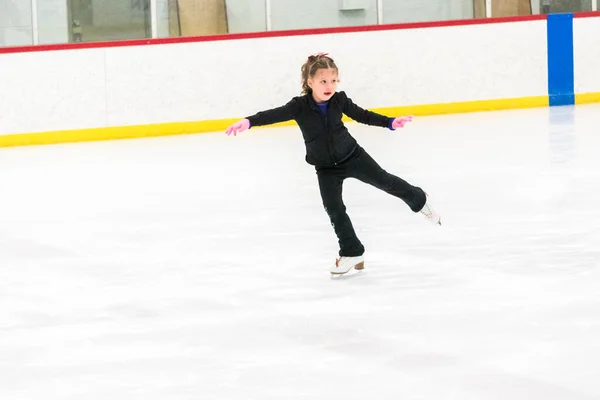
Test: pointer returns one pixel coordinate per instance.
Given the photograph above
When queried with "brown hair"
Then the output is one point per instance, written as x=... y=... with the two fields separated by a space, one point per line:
x=312 y=65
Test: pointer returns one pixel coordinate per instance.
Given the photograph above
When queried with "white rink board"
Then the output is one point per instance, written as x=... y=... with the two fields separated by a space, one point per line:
x=52 y=90
x=233 y=78
x=586 y=38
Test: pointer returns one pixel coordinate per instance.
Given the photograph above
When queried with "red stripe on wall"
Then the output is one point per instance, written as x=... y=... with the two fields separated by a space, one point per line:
x=587 y=14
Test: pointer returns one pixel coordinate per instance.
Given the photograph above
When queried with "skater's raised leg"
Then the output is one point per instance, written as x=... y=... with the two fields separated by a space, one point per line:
x=367 y=170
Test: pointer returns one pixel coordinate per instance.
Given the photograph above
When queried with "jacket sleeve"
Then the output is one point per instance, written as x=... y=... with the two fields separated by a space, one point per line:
x=274 y=115
x=361 y=115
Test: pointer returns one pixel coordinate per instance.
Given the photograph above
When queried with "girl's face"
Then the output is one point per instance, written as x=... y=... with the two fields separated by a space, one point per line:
x=323 y=84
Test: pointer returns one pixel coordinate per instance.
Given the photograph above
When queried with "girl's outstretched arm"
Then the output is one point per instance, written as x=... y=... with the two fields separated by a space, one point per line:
x=266 y=117
x=367 y=117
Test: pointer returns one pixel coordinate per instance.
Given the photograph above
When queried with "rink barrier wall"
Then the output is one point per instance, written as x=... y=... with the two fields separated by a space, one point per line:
x=559 y=80
x=586 y=39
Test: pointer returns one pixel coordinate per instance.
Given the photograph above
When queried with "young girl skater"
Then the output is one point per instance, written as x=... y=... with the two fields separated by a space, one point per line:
x=335 y=154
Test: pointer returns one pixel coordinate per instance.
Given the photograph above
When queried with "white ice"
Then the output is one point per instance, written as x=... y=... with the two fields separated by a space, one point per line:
x=196 y=267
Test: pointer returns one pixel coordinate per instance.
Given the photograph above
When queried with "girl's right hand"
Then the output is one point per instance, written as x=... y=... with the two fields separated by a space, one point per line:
x=239 y=126
x=401 y=121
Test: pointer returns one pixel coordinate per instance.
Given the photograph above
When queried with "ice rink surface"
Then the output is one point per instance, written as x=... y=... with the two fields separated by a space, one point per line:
x=195 y=267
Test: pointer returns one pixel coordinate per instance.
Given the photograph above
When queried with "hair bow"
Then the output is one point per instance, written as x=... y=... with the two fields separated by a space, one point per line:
x=318 y=55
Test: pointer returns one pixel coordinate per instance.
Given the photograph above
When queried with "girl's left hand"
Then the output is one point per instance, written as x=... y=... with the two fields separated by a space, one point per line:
x=401 y=121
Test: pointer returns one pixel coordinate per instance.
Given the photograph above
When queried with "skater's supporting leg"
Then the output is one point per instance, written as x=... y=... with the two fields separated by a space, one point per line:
x=330 y=185
x=368 y=171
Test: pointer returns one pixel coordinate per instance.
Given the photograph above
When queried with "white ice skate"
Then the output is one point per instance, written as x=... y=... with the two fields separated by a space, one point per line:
x=344 y=264
x=429 y=213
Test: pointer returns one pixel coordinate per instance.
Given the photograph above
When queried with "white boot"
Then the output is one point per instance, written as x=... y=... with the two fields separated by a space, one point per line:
x=429 y=213
x=345 y=264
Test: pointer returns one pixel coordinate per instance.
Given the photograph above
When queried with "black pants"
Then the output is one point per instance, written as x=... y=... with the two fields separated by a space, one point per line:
x=362 y=167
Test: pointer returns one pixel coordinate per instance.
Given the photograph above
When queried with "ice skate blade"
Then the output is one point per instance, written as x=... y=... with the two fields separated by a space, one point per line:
x=353 y=273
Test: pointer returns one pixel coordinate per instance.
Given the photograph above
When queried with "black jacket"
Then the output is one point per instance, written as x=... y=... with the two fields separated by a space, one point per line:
x=327 y=140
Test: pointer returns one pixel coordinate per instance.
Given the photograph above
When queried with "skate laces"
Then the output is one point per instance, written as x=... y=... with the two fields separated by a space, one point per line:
x=426 y=211
x=338 y=260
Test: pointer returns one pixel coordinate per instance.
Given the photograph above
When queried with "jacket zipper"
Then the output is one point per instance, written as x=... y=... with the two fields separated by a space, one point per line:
x=325 y=122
